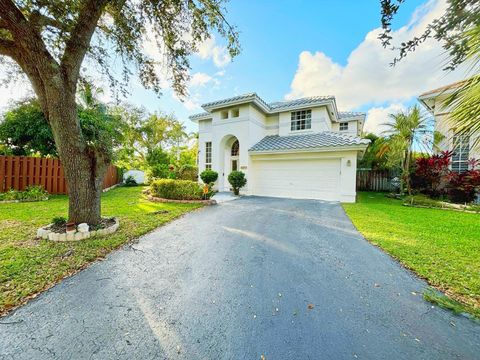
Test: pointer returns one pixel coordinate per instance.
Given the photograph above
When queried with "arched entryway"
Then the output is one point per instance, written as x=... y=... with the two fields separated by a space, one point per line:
x=231 y=159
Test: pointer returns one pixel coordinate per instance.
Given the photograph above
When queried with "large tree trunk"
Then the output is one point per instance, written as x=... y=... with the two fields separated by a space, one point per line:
x=83 y=167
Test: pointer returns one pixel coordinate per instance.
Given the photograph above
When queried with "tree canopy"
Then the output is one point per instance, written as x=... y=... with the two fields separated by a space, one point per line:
x=459 y=16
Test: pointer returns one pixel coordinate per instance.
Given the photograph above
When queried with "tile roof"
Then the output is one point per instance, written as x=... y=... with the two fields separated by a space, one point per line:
x=307 y=141
x=349 y=114
x=200 y=115
x=298 y=102
x=444 y=88
x=272 y=107
x=249 y=96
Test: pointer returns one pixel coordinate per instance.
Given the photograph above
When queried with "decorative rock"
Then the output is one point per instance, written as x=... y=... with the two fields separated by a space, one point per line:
x=82 y=233
x=83 y=227
x=42 y=233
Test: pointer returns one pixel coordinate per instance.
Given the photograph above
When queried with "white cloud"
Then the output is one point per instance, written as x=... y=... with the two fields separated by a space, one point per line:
x=201 y=79
x=377 y=116
x=209 y=49
x=367 y=78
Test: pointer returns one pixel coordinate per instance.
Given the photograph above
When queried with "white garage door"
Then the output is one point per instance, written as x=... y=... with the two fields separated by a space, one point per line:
x=303 y=179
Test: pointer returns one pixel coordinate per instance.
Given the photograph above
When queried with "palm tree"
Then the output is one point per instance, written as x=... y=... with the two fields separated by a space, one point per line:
x=403 y=133
x=465 y=101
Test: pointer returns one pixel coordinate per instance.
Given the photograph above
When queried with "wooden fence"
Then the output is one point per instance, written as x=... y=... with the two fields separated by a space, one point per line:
x=18 y=172
x=374 y=180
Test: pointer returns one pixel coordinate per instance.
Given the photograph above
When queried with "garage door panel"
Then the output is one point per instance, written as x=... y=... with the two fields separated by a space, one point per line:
x=311 y=179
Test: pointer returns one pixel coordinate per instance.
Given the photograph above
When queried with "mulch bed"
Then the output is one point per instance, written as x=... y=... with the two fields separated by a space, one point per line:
x=104 y=223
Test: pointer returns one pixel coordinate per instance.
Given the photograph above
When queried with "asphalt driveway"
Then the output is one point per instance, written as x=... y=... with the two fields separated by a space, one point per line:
x=286 y=279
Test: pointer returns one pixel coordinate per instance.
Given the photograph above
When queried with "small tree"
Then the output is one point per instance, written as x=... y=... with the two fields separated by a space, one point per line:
x=209 y=176
x=237 y=180
x=403 y=131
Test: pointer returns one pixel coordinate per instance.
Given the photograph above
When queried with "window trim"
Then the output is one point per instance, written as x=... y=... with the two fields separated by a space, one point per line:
x=343 y=124
x=208 y=155
x=298 y=117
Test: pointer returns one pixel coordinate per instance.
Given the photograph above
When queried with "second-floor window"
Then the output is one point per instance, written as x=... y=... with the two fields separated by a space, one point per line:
x=301 y=120
x=343 y=126
x=461 y=149
x=208 y=155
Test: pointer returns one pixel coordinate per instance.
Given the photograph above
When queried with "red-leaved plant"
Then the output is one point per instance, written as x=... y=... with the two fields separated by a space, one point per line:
x=464 y=186
x=431 y=173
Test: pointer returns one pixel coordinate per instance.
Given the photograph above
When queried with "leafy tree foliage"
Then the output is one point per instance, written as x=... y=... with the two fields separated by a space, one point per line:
x=25 y=131
x=374 y=157
x=460 y=15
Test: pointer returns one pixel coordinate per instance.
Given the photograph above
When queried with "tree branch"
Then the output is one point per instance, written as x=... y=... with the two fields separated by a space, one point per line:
x=13 y=18
x=8 y=48
x=79 y=42
x=39 y=21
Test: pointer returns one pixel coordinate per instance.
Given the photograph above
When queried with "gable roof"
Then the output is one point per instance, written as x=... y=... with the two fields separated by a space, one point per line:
x=277 y=106
x=326 y=139
x=443 y=89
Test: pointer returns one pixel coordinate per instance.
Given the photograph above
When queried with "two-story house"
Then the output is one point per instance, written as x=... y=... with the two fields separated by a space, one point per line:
x=303 y=148
x=462 y=146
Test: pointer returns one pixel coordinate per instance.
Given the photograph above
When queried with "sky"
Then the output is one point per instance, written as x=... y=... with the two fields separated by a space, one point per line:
x=299 y=48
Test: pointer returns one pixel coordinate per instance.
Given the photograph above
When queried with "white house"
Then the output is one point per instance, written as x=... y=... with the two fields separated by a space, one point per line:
x=462 y=146
x=303 y=148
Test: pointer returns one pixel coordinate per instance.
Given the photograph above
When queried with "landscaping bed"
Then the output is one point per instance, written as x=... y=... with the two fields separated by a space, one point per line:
x=159 y=199
x=59 y=231
x=29 y=265
x=442 y=247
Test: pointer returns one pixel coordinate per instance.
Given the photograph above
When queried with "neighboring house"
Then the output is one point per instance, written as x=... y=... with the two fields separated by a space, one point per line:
x=462 y=146
x=303 y=148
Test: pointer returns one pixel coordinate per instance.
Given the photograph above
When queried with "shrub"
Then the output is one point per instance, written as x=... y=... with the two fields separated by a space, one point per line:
x=209 y=176
x=130 y=181
x=431 y=174
x=35 y=193
x=237 y=180
x=188 y=172
x=59 y=221
x=31 y=193
x=176 y=189
x=463 y=186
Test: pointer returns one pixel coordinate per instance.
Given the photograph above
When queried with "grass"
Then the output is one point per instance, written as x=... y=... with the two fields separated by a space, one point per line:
x=442 y=247
x=28 y=265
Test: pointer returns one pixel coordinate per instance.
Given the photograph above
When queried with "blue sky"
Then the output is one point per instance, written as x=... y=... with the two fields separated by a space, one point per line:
x=302 y=48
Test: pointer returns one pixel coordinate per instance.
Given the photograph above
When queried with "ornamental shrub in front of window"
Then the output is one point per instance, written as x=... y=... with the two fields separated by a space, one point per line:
x=209 y=176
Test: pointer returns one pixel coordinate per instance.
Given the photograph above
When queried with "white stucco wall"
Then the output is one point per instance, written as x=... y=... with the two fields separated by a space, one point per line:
x=320 y=122
x=352 y=127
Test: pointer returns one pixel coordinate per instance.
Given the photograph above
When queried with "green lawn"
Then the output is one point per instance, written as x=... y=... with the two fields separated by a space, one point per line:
x=28 y=265
x=442 y=246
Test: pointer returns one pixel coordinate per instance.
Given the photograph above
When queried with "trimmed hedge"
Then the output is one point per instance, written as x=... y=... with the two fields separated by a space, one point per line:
x=176 y=189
